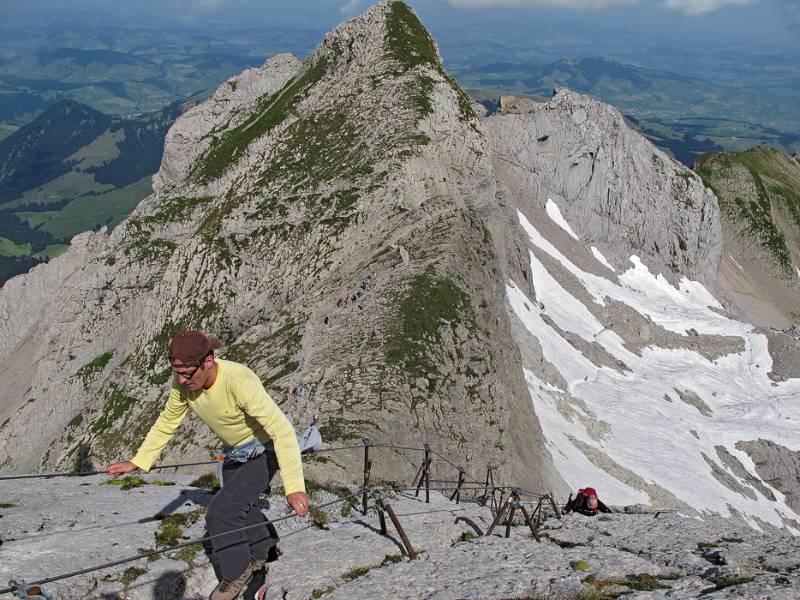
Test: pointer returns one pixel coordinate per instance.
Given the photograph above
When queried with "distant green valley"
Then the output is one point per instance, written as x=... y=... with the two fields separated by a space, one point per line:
x=84 y=113
x=74 y=169
x=125 y=72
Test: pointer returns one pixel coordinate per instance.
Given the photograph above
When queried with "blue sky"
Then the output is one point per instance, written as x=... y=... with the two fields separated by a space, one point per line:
x=761 y=23
x=768 y=23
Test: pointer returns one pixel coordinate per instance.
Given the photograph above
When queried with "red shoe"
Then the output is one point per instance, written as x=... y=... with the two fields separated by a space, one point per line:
x=261 y=593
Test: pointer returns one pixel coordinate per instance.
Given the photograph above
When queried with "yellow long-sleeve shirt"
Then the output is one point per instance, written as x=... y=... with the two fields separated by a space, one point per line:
x=237 y=408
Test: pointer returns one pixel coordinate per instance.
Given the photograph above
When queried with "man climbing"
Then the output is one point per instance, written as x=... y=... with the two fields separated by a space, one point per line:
x=585 y=502
x=232 y=401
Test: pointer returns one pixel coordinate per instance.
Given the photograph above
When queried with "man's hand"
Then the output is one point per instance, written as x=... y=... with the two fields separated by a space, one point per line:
x=121 y=468
x=298 y=502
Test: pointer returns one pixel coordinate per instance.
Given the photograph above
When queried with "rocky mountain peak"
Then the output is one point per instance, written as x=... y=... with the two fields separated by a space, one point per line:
x=382 y=65
x=619 y=190
x=290 y=186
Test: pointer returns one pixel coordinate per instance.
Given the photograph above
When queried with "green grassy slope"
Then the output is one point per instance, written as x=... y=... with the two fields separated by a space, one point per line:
x=89 y=212
x=755 y=188
x=40 y=151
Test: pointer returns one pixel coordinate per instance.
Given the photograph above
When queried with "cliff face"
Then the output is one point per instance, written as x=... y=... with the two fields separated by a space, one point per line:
x=644 y=382
x=530 y=288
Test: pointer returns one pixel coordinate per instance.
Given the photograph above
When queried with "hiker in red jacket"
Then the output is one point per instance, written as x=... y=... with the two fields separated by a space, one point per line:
x=586 y=503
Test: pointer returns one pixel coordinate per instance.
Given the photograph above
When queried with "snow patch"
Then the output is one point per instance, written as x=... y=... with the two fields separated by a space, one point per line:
x=567 y=458
x=697 y=293
x=555 y=214
x=650 y=295
x=623 y=416
x=602 y=259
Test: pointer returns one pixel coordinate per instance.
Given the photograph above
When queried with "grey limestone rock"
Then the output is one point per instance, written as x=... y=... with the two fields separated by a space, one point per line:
x=514 y=105
x=640 y=556
x=232 y=103
x=620 y=191
x=778 y=466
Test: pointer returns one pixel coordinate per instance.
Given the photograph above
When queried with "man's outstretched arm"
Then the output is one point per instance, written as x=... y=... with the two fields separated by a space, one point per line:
x=159 y=435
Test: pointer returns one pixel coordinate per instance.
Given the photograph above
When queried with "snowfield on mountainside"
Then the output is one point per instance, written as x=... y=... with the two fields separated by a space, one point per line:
x=663 y=416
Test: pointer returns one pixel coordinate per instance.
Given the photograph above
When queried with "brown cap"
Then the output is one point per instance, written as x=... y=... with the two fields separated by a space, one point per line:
x=191 y=347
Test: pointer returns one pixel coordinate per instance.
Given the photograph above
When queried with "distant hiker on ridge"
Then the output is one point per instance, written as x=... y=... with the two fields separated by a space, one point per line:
x=586 y=502
x=224 y=394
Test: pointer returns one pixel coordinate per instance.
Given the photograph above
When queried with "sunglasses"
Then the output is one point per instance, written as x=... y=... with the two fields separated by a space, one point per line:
x=189 y=374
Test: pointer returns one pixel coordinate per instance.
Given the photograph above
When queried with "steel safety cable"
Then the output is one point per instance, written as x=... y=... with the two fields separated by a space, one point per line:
x=175 y=547
x=104 y=472
x=482 y=483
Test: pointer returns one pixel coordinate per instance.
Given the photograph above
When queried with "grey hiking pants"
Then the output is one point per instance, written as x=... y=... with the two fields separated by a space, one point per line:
x=236 y=506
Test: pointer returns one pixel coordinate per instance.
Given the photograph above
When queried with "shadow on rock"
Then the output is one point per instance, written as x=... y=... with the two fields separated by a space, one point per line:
x=467 y=521
x=397 y=543
x=83 y=460
x=169 y=586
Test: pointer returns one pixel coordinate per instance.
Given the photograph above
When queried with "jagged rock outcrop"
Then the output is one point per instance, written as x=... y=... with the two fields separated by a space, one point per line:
x=778 y=466
x=532 y=291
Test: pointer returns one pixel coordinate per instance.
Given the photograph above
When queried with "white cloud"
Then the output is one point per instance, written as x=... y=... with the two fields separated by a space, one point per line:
x=566 y=4
x=350 y=7
x=701 y=7
x=687 y=7
x=213 y=4
x=794 y=8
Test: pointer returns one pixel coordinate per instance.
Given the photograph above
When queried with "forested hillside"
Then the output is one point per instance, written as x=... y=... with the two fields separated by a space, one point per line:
x=74 y=169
